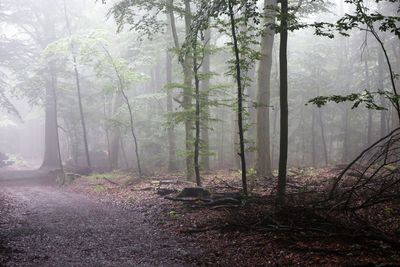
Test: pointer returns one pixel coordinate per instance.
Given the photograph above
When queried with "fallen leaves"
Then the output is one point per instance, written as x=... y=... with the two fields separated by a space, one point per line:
x=248 y=232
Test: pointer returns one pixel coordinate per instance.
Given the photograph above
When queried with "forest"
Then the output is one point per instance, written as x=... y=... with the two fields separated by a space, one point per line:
x=199 y=133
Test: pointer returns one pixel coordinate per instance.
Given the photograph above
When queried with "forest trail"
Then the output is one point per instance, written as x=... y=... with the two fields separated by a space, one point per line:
x=46 y=226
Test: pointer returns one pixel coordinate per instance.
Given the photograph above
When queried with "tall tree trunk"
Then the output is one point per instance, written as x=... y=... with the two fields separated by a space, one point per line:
x=283 y=143
x=170 y=130
x=107 y=131
x=197 y=116
x=53 y=86
x=82 y=117
x=313 y=144
x=115 y=131
x=263 y=95
x=186 y=102
x=322 y=128
x=205 y=158
x=274 y=134
x=122 y=146
x=130 y=110
x=346 y=136
x=187 y=97
x=131 y=126
x=52 y=133
x=381 y=86
x=395 y=47
x=303 y=142
x=368 y=87
x=344 y=71
x=221 y=140
x=78 y=90
x=51 y=159
x=239 y=97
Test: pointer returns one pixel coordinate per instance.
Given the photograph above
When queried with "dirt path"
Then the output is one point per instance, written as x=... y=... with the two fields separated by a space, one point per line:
x=50 y=227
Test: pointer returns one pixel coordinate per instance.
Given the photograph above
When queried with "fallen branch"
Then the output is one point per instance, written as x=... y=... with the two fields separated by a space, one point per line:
x=230 y=186
x=224 y=207
x=187 y=199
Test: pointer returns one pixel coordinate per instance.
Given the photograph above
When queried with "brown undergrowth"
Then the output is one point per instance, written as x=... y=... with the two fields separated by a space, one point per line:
x=254 y=233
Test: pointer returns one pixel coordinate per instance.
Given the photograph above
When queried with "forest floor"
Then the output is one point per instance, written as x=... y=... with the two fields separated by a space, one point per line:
x=115 y=220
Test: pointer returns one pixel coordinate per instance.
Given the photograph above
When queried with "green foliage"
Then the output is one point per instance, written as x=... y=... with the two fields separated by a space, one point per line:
x=85 y=45
x=140 y=15
x=173 y=214
x=91 y=50
x=362 y=18
x=365 y=97
x=251 y=172
x=109 y=175
x=372 y=22
x=16 y=160
x=6 y=105
x=8 y=55
x=100 y=188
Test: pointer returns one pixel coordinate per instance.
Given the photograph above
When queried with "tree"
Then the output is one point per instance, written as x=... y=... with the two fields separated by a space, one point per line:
x=373 y=23
x=263 y=153
x=196 y=67
x=78 y=89
x=205 y=159
x=128 y=104
x=187 y=62
x=364 y=20
x=170 y=129
x=238 y=77
x=284 y=124
x=124 y=13
x=40 y=26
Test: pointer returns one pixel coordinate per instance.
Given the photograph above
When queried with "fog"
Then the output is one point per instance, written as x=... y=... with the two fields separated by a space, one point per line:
x=38 y=33
x=199 y=133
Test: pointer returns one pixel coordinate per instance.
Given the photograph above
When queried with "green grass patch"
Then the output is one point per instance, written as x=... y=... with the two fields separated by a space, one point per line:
x=100 y=188
x=108 y=175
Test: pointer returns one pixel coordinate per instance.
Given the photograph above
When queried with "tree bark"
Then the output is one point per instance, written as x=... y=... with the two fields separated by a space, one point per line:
x=263 y=95
x=239 y=97
x=107 y=131
x=323 y=139
x=115 y=131
x=130 y=111
x=170 y=130
x=187 y=97
x=186 y=63
x=313 y=145
x=380 y=80
x=205 y=158
x=78 y=90
x=197 y=117
x=81 y=114
x=283 y=148
x=368 y=87
x=51 y=159
x=346 y=136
